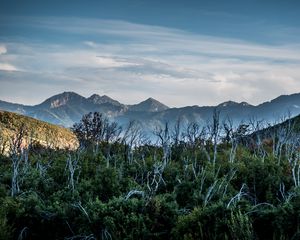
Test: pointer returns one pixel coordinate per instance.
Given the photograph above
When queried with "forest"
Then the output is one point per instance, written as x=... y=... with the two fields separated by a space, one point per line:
x=217 y=181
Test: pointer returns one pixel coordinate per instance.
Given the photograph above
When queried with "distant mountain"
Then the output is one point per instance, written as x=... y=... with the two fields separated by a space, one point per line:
x=289 y=103
x=13 y=107
x=149 y=105
x=45 y=134
x=69 y=99
x=96 y=99
x=62 y=109
x=67 y=108
x=233 y=104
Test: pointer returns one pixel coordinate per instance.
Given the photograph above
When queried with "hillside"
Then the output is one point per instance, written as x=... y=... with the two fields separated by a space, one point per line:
x=293 y=124
x=286 y=127
x=38 y=131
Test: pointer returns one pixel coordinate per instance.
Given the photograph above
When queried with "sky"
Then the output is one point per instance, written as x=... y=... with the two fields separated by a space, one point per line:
x=188 y=52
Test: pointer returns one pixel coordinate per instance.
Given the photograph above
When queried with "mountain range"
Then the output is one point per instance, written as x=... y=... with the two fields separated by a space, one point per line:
x=68 y=107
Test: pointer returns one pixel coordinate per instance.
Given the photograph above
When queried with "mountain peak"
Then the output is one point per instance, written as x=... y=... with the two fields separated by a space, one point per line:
x=228 y=104
x=233 y=104
x=62 y=99
x=150 y=99
x=97 y=99
x=245 y=104
x=149 y=105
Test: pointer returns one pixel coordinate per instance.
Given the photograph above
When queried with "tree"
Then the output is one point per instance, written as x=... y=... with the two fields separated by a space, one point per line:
x=17 y=151
x=176 y=132
x=133 y=137
x=72 y=168
x=214 y=130
x=164 y=139
x=94 y=128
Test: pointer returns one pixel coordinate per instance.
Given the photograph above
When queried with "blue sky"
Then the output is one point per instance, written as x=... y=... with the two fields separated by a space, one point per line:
x=180 y=52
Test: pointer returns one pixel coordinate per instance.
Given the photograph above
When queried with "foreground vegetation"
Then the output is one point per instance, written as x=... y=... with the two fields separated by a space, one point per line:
x=216 y=182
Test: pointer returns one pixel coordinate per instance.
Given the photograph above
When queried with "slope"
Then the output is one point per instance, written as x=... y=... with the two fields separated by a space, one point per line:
x=46 y=134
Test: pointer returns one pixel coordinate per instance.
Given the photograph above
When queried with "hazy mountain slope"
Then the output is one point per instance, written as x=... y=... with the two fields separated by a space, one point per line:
x=44 y=133
x=282 y=129
x=280 y=106
x=13 y=107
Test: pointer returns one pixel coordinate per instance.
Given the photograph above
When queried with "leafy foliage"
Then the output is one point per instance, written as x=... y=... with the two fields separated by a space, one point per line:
x=185 y=188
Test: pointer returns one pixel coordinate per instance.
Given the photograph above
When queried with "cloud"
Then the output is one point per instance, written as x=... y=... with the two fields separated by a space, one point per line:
x=7 y=67
x=3 y=49
x=4 y=66
x=114 y=62
x=131 y=62
x=167 y=39
x=90 y=44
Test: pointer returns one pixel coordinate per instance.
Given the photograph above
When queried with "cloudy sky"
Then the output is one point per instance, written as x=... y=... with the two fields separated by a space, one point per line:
x=189 y=52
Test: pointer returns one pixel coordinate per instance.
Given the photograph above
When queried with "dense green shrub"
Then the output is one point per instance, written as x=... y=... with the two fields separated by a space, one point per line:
x=185 y=197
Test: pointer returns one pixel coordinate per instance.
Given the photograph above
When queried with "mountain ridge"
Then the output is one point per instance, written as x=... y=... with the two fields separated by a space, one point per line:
x=68 y=107
x=97 y=99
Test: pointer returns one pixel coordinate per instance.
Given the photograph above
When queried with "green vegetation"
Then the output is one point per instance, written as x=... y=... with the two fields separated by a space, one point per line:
x=215 y=182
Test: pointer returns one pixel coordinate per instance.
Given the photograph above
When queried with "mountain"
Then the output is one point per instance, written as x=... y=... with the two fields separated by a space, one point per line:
x=69 y=99
x=96 y=99
x=233 y=104
x=285 y=127
x=276 y=136
x=149 y=105
x=62 y=109
x=40 y=132
x=67 y=108
x=291 y=104
x=13 y=107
